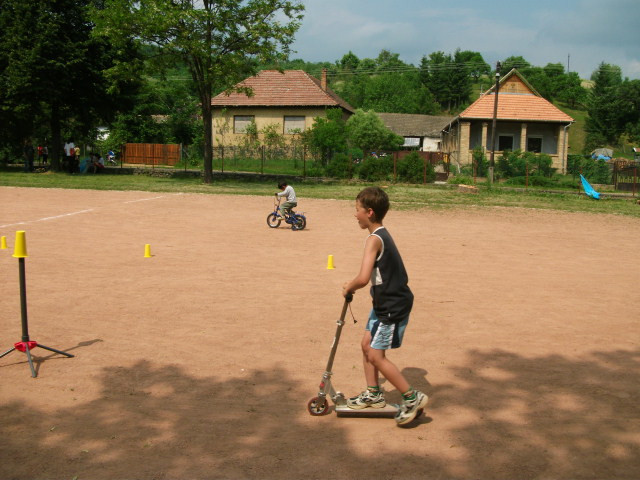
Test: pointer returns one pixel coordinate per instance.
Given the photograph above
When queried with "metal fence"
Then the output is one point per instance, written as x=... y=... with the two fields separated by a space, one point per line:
x=263 y=159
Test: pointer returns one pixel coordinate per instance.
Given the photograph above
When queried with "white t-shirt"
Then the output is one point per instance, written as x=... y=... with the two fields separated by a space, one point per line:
x=290 y=193
x=69 y=149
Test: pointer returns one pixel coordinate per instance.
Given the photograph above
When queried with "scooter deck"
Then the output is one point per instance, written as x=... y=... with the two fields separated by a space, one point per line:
x=389 y=410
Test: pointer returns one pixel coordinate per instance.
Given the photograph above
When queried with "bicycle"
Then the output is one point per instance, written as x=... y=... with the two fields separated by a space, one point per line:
x=297 y=220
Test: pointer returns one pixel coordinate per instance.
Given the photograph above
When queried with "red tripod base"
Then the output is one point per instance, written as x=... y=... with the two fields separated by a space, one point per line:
x=23 y=346
x=29 y=345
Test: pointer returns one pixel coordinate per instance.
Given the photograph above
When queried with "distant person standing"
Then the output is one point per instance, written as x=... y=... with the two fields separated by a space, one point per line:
x=69 y=155
x=45 y=154
x=28 y=153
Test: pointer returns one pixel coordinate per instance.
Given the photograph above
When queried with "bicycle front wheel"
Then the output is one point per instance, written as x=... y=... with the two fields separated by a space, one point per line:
x=273 y=220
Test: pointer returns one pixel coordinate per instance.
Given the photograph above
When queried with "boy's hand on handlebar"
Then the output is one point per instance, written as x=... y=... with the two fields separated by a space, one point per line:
x=346 y=293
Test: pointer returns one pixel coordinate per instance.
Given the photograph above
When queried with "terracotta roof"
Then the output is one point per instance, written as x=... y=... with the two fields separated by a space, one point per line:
x=515 y=106
x=290 y=88
x=517 y=100
x=414 y=125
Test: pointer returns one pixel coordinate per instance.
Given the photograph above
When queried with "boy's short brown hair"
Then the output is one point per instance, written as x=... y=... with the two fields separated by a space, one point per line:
x=376 y=199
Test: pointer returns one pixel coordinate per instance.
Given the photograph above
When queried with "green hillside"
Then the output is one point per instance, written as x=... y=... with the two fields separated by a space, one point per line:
x=576 y=132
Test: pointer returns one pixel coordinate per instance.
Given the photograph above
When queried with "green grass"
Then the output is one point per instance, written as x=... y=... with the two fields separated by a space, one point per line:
x=403 y=196
x=577 y=132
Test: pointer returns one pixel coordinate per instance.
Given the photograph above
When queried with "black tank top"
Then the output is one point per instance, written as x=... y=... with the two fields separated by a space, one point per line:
x=392 y=298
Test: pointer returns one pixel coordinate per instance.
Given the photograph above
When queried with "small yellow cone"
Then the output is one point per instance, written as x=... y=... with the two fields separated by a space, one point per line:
x=3 y=243
x=147 y=251
x=20 y=248
x=330 y=263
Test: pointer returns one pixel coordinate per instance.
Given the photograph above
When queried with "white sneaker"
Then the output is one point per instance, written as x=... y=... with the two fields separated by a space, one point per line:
x=410 y=408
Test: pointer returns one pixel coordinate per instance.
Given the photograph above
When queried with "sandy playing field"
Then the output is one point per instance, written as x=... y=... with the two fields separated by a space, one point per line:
x=198 y=362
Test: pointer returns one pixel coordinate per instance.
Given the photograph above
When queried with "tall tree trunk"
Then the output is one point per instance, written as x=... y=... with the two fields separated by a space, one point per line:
x=56 y=141
x=208 y=139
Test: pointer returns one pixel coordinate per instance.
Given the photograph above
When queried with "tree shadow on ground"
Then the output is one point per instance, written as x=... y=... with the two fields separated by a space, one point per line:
x=545 y=417
x=548 y=417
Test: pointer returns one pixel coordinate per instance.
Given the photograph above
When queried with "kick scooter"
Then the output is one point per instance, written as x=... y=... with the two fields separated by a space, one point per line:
x=320 y=405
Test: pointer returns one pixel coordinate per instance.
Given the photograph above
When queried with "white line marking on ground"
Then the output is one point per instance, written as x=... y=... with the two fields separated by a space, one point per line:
x=47 y=218
x=145 y=199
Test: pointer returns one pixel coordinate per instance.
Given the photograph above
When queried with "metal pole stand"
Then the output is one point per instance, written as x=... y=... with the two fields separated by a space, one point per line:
x=27 y=345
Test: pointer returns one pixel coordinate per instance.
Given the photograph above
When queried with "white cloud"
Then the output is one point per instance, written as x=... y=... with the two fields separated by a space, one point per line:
x=547 y=31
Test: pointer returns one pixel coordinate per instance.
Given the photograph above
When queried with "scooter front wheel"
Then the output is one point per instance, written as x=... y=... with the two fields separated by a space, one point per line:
x=318 y=406
x=273 y=220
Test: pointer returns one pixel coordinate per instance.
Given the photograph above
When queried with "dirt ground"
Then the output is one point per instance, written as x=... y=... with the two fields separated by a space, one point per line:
x=198 y=362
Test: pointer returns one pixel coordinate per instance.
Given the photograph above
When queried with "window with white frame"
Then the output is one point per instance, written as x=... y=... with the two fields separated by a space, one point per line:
x=293 y=122
x=241 y=122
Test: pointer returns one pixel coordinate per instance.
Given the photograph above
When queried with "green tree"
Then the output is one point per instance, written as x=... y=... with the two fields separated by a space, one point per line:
x=328 y=135
x=447 y=77
x=571 y=91
x=629 y=102
x=51 y=71
x=220 y=41
x=474 y=63
x=366 y=131
x=515 y=62
x=603 y=105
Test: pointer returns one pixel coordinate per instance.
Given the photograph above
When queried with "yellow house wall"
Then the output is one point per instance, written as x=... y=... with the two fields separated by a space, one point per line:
x=222 y=120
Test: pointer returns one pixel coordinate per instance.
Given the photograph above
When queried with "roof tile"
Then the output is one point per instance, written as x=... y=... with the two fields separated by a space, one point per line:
x=515 y=106
x=272 y=88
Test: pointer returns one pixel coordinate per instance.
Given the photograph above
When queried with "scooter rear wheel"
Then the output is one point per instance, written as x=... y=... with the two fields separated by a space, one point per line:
x=318 y=406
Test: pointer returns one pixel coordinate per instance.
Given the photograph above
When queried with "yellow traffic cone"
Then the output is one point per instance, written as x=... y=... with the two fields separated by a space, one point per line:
x=147 y=251
x=3 y=243
x=20 y=248
x=330 y=263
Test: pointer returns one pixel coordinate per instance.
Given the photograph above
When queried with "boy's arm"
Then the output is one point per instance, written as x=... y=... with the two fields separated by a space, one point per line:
x=371 y=250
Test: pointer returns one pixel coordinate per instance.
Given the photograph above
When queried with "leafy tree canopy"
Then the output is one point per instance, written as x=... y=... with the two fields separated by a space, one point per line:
x=221 y=41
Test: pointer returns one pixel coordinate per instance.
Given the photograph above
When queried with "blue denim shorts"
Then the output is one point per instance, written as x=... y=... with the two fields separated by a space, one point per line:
x=385 y=335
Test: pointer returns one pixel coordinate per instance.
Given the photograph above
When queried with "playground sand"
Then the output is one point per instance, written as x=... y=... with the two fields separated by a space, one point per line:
x=198 y=360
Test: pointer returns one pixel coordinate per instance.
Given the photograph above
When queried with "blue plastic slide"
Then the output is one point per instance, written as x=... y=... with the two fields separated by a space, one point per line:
x=588 y=189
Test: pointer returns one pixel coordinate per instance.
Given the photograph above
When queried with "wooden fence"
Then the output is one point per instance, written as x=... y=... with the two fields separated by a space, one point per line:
x=150 y=153
x=625 y=175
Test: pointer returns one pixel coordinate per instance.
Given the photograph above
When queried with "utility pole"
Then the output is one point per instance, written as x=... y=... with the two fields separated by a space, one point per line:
x=493 y=125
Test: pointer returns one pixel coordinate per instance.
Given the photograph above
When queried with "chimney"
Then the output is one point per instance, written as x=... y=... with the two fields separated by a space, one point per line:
x=323 y=80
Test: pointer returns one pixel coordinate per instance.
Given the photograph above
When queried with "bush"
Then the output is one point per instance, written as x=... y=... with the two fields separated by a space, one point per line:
x=340 y=166
x=461 y=180
x=596 y=171
x=411 y=169
x=480 y=161
x=534 y=181
x=519 y=164
x=375 y=169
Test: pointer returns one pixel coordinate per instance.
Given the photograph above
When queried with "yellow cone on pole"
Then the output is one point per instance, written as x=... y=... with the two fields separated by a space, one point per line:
x=330 y=263
x=20 y=248
x=147 y=251
x=3 y=243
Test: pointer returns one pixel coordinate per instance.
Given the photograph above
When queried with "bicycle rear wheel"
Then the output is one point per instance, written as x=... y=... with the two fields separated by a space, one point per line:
x=299 y=222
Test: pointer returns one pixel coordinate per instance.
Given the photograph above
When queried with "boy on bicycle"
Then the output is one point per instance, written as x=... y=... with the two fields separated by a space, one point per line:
x=292 y=201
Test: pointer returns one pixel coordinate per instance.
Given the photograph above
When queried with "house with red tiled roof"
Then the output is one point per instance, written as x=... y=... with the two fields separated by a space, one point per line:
x=525 y=121
x=288 y=99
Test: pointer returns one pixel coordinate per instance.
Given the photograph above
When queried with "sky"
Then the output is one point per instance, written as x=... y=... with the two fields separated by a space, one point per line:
x=579 y=34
